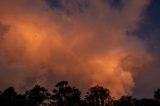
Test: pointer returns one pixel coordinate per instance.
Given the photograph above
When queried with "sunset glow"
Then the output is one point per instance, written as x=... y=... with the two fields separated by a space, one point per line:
x=43 y=45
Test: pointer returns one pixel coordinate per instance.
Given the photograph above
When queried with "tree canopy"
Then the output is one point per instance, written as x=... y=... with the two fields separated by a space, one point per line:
x=66 y=95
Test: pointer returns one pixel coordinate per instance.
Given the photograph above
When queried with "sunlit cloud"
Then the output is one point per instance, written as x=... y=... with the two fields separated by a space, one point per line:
x=89 y=47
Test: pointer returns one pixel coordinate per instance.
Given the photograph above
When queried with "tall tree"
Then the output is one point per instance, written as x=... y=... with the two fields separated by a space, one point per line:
x=8 y=97
x=37 y=95
x=98 y=96
x=65 y=95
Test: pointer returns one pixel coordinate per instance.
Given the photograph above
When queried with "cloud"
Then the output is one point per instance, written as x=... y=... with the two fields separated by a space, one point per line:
x=89 y=47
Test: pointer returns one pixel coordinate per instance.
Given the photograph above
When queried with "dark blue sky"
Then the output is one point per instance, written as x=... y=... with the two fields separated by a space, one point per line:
x=149 y=30
x=148 y=25
x=151 y=21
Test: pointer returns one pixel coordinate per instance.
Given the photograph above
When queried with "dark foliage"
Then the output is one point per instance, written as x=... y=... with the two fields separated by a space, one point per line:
x=37 y=95
x=66 y=95
x=98 y=96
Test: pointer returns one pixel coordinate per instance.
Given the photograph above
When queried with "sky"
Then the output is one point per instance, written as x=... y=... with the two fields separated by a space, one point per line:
x=111 y=43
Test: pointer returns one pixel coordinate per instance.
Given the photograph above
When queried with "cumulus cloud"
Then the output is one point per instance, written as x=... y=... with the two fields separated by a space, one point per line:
x=83 y=42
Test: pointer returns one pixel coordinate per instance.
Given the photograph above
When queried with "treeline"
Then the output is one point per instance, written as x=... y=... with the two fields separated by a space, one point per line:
x=66 y=95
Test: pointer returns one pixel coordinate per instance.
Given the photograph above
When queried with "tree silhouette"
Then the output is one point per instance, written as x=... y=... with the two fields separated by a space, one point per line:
x=8 y=97
x=98 y=96
x=65 y=95
x=9 y=93
x=148 y=102
x=157 y=94
x=37 y=95
x=125 y=101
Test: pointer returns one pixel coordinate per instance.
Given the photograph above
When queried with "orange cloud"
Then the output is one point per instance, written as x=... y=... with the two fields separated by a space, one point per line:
x=44 y=45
